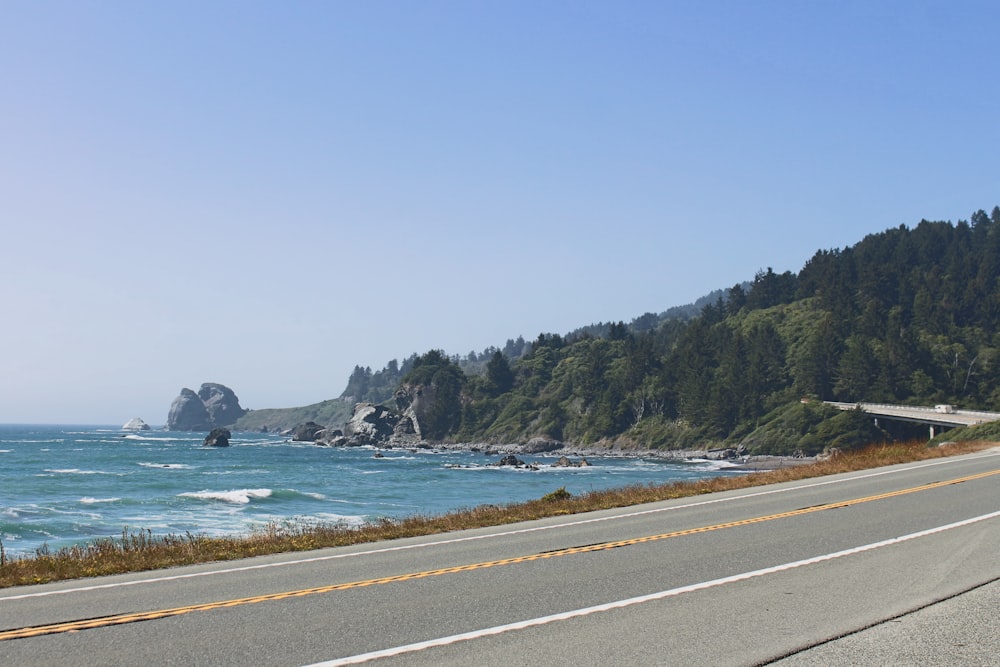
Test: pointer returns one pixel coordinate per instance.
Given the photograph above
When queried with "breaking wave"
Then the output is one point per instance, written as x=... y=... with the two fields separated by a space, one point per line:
x=236 y=496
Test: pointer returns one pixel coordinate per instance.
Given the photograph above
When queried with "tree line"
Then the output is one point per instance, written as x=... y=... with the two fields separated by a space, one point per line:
x=904 y=316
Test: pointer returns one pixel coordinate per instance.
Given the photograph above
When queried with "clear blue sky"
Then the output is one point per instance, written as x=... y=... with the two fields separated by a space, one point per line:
x=264 y=194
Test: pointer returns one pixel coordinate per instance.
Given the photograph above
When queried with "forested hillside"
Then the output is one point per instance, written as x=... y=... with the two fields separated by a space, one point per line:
x=904 y=316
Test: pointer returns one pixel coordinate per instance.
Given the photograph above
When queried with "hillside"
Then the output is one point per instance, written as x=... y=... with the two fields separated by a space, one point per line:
x=330 y=412
x=906 y=315
x=903 y=316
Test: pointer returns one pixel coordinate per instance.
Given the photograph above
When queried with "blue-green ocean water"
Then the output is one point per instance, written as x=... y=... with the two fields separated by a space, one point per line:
x=61 y=485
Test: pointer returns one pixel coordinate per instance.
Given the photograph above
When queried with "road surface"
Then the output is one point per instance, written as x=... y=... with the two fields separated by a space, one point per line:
x=738 y=578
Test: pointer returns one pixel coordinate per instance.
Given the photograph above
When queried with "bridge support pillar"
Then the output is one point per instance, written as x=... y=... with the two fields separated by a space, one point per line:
x=932 y=432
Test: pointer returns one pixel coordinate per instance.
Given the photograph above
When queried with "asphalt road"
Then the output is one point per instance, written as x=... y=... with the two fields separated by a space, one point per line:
x=739 y=578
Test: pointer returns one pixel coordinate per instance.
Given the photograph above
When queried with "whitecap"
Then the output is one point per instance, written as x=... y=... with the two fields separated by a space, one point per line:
x=236 y=496
x=6 y=451
x=711 y=464
x=87 y=500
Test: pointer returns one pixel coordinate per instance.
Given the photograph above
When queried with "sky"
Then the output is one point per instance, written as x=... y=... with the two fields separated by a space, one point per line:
x=266 y=194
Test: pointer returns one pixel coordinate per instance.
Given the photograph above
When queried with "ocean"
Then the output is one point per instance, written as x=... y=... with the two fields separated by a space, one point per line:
x=64 y=485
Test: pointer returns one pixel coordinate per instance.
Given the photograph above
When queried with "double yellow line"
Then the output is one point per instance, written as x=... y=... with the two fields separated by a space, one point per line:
x=121 y=619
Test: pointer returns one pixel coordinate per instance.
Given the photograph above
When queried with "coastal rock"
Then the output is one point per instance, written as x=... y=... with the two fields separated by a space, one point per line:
x=213 y=405
x=404 y=427
x=541 y=445
x=188 y=413
x=414 y=402
x=221 y=403
x=218 y=437
x=330 y=437
x=370 y=422
x=380 y=426
x=307 y=432
x=564 y=462
x=510 y=460
x=135 y=424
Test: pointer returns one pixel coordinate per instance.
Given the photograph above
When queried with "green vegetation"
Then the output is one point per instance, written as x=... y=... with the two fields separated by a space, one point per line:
x=559 y=494
x=331 y=412
x=988 y=432
x=140 y=550
x=906 y=316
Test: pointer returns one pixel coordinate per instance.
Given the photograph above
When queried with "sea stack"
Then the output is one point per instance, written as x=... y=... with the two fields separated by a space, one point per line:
x=219 y=437
x=213 y=405
x=135 y=424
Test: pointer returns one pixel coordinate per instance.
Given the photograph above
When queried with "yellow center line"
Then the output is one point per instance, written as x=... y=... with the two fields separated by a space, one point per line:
x=121 y=619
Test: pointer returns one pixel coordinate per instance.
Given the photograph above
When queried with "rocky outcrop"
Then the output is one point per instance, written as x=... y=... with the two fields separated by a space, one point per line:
x=218 y=437
x=213 y=405
x=221 y=403
x=135 y=424
x=307 y=432
x=510 y=460
x=372 y=425
x=541 y=445
x=565 y=462
x=513 y=462
x=188 y=413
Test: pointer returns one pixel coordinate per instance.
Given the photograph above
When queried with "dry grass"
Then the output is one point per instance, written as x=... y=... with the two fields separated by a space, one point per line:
x=141 y=550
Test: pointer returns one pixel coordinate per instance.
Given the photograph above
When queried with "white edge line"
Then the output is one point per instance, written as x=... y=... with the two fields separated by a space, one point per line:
x=619 y=604
x=423 y=545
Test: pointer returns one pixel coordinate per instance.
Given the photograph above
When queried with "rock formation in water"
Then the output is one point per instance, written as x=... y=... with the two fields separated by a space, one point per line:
x=213 y=405
x=307 y=432
x=370 y=424
x=135 y=424
x=221 y=403
x=218 y=437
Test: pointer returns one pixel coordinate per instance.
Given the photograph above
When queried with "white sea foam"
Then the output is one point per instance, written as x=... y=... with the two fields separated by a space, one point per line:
x=317 y=496
x=87 y=500
x=710 y=464
x=5 y=451
x=75 y=471
x=236 y=496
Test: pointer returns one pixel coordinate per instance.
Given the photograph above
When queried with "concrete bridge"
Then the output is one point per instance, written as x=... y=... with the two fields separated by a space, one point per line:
x=939 y=416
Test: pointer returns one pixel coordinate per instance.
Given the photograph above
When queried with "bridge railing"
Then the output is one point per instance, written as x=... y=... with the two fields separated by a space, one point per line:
x=864 y=405
x=986 y=416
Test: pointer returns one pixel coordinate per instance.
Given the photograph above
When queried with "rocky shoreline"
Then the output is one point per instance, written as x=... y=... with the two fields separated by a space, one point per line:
x=382 y=428
x=750 y=463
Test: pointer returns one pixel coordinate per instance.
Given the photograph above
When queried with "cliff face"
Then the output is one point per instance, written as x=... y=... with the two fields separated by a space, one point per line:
x=214 y=405
x=221 y=403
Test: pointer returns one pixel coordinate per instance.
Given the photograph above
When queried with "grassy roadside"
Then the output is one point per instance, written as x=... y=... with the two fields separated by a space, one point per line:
x=140 y=550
